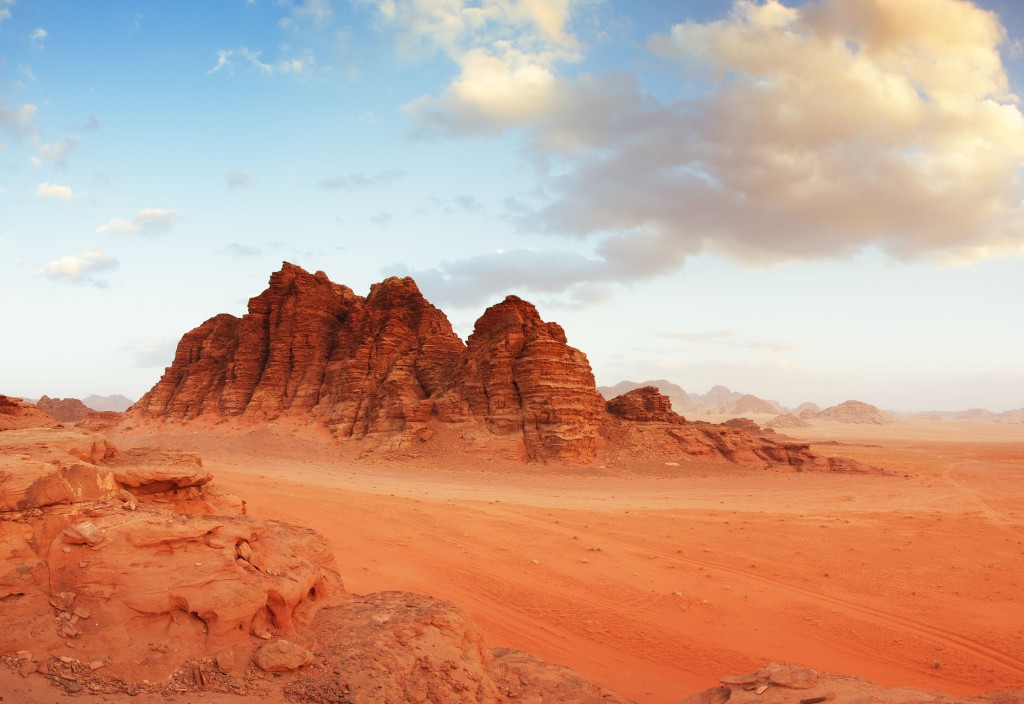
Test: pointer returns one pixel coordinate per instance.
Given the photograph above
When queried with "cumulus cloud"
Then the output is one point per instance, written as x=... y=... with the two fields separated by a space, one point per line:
x=149 y=222
x=236 y=178
x=472 y=280
x=81 y=269
x=358 y=181
x=791 y=132
x=57 y=191
x=57 y=152
x=38 y=38
x=506 y=52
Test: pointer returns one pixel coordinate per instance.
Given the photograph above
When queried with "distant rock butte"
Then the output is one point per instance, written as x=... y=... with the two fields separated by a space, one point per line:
x=390 y=369
x=116 y=403
x=786 y=420
x=65 y=410
x=854 y=412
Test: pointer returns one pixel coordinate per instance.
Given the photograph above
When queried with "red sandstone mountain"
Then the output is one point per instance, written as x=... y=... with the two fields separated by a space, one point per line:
x=389 y=368
x=65 y=410
x=855 y=412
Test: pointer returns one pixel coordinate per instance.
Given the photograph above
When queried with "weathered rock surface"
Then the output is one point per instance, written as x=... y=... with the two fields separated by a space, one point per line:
x=16 y=414
x=748 y=403
x=389 y=369
x=281 y=656
x=88 y=556
x=519 y=374
x=400 y=647
x=65 y=410
x=788 y=684
x=676 y=394
x=855 y=412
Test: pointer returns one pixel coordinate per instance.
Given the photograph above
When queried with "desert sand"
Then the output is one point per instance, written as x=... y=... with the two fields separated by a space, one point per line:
x=657 y=582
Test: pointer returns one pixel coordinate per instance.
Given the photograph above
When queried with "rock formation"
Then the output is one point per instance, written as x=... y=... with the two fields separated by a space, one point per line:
x=855 y=412
x=681 y=401
x=640 y=426
x=16 y=413
x=65 y=410
x=778 y=683
x=786 y=420
x=115 y=403
x=389 y=369
x=748 y=403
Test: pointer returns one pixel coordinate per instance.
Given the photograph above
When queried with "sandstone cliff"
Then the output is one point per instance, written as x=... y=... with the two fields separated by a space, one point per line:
x=389 y=369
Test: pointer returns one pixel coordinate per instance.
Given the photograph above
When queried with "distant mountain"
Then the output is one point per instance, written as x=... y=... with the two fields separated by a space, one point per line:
x=117 y=402
x=855 y=412
x=719 y=400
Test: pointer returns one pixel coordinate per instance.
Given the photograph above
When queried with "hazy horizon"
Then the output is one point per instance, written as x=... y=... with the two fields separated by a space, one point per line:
x=806 y=201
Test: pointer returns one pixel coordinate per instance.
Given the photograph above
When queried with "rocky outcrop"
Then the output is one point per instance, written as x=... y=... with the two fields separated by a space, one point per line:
x=786 y=420
x=522 y=378
x=15 y=414
x=389 y=369
x=401 y=647
x=644 y=405
x=65 y=410
x=641 y=429
x=855 y=412
x=681 y=401
x=383 y=366
x=778 y=683
x=100 y=552
x=747 y=426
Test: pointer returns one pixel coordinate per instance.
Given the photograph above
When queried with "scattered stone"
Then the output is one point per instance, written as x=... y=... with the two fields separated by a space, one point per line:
x=96 y=664
x=761 y=690
x=225 y=661
x=281 y=656
x=793 y=677
x=752 y=678
x=83 y=533
x=82 y=612
x=27 y=667
x=827 y=697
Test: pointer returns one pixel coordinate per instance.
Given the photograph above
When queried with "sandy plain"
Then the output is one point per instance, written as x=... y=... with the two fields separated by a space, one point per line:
x=657 y=580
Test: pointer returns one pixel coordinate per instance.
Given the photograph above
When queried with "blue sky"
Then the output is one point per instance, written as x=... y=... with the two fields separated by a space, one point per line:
x=804 y=201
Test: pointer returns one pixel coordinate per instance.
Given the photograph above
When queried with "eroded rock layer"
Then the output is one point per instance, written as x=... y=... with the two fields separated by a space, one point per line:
x=390 y=368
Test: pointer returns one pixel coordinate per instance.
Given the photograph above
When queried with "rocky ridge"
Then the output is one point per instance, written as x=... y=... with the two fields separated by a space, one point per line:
x=389 y=369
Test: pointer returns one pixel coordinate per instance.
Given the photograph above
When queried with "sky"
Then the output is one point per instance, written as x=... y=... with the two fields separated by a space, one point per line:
x=807 y=201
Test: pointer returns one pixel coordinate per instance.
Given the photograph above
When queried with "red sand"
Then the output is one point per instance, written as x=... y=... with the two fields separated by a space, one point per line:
x=657 y=586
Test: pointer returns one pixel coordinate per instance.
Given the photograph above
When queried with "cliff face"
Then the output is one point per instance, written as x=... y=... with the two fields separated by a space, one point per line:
x=310 y=346
x=389 y=366
x=523 y=379
x=65 y=410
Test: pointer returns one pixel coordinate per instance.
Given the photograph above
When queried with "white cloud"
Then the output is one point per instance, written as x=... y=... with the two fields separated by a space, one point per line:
x=358 y=181
x=816 y=132
x=5 y=9
x=80 y=269
x=57 y=191
x=506 y=51
x=57 y=152
x=19 y=120
x=147 y=223
x=236 y=178
x=38 y=38
x=296 y=65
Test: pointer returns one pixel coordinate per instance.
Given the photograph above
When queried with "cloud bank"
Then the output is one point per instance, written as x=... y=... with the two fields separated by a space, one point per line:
x=787 y=133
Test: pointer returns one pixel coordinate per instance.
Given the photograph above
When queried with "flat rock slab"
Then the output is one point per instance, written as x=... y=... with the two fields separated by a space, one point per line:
x=281 y=656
